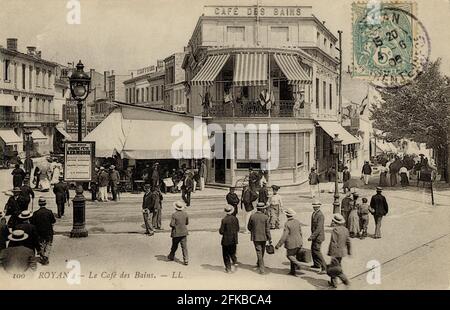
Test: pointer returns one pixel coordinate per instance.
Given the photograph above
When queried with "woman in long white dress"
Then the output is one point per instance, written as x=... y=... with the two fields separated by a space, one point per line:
x=56 y=172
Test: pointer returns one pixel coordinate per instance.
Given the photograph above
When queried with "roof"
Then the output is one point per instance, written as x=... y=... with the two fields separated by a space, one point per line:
x=28 y=57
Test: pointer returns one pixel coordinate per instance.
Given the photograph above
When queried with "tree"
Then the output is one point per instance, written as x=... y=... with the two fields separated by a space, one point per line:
x=418 y=111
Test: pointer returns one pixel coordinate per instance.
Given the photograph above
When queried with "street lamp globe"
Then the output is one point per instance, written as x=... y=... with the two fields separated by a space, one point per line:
x=80 y=83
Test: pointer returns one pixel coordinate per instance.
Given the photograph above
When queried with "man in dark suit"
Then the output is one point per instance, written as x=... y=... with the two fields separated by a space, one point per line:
x=263 y=194
x=229 y=229
x=12 y=208
x=187 y=188
x=247 y=199
x=233 y=199
x=259 y=227
x=61 y=191
x=292 y=240
x=340 y=246
x=379 y=208
x=44 y=219
x=26 y=194
x=180 y=232
x=24 y=224
x=147 y=210
x=317 y=237
x=156 y=199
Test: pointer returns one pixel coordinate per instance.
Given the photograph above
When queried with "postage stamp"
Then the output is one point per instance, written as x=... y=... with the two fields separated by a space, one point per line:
x=390 y=45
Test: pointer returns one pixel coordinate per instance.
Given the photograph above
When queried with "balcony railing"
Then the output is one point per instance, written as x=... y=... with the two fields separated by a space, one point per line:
x=29 y=117
x=249 y=108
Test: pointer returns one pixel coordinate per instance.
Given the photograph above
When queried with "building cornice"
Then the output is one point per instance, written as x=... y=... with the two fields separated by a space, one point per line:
x=28 y=57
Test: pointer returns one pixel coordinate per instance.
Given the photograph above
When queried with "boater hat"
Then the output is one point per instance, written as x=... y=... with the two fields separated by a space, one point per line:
x=179 y=206
x=379 y=189
x=338 y=219
x=25 y=215
x=16 y=190
x=316 y=204
x=229 y=209
x=275 y=187
x=290 y=212
x=18 y=235
x=261 y=205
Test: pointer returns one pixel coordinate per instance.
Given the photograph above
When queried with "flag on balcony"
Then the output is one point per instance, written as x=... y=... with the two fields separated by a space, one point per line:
x=210 y=70
x=250 y=69
x=292 y=69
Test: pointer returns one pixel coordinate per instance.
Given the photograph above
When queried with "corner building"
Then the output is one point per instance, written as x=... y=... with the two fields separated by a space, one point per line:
x=255 y=65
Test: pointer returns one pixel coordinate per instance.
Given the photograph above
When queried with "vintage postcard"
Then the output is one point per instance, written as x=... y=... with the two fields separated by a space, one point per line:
x=218 y=145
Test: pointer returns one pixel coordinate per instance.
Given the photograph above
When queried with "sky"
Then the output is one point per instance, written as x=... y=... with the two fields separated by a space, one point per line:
x=125 y=35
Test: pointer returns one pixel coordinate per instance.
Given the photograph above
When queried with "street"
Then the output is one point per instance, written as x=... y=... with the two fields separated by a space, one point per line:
x=413 y=252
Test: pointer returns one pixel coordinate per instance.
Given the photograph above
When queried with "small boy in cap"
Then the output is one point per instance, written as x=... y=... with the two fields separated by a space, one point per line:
x=229 y=229
x=275 y=207
x=44 y=219
x=340 y=246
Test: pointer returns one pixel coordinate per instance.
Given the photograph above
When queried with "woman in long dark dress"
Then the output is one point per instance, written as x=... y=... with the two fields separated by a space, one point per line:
x=383 y=176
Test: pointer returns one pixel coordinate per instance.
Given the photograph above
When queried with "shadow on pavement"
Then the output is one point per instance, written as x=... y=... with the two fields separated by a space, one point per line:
x=163 y=258
x=318 y=283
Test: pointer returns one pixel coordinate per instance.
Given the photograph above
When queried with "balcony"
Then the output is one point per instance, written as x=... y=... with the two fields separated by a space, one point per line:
x=249 y=108
x=28 y=117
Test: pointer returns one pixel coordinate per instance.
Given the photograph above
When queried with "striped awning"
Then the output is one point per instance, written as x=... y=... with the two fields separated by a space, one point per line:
x=210 y=70
x=250 y=69
x=292 y=69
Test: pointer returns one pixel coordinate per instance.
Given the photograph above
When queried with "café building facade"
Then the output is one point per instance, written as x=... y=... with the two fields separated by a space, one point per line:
x=248 y=66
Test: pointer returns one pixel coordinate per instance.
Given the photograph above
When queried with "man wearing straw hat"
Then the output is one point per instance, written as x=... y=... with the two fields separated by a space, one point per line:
x=229 y=229
x=259 y=227
x=44 y=219
x=292 y=240
x=340 y=246
x=17 y=258
x=24 y=224
x=317 y=237
x=180 y=232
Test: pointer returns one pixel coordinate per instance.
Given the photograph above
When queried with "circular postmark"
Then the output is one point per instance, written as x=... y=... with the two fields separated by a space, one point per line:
x=390 y=46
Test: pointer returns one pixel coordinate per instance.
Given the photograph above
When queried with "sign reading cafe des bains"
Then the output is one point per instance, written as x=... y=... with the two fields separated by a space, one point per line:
x=266 y=11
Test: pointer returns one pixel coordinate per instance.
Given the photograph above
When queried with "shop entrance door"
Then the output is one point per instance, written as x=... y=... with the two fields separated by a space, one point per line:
x=220 y=162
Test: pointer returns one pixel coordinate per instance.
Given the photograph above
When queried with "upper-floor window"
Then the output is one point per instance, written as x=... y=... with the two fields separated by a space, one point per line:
x=318 y=37
x=15 y=75
x=30 y=77
x=324 y=90
x=6 y=71
x=331 y=96
x=279 y=35
x=325 y=42
x=24 y=68
x=235 y=34
x=317 y=94
x=44 y=73
x=50 y=79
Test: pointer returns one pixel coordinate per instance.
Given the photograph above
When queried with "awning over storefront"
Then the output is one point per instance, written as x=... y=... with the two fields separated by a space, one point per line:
x=210 y=70
x=110 y=135
x=292 y=69
x=332 y=128
x=9 y=137
x=250 y=69
x=37 y=135
x=150 y=139
x=64 y=133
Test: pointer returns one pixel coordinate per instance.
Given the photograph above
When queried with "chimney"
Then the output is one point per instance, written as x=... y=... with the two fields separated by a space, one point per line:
x=31 y=50
x=39 y=54
x=11 y=44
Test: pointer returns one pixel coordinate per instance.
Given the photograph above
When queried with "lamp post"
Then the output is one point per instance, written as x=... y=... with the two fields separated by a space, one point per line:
x=80 y=84
x=27 y=136
x=337 y=146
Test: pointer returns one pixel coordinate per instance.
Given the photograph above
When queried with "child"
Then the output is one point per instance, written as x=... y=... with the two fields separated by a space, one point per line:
x=353 y=218
x=334 y=271
x=363 y=218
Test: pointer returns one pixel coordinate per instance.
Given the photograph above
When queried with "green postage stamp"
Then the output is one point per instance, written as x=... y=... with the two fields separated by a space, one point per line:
x=390 y=45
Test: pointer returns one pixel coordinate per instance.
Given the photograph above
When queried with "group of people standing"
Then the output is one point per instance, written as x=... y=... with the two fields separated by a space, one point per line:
x=104 y=180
